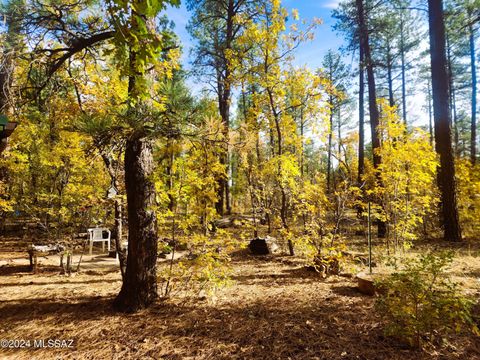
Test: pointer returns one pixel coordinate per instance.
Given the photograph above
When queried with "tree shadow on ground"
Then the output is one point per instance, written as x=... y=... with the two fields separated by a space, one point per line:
x=327 y=329
x=349 y=291
x=63 y=282
x=9 y=270
x=265 y=326
x=287 y=277
x=67 y=309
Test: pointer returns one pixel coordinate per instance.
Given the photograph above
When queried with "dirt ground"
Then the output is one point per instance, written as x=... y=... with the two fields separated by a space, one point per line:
x=274 y=309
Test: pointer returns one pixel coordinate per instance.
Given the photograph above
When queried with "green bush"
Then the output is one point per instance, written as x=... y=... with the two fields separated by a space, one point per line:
x=420 y=302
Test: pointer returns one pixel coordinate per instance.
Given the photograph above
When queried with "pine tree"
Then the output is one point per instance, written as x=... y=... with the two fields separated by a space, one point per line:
x=443 y=140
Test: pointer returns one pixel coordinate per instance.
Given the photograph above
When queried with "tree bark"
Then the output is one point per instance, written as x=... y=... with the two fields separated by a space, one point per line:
x=442 y=122
x=139 y=289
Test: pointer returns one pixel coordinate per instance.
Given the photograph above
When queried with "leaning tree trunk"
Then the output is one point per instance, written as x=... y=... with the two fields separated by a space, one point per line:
x=139 y=288
x=443 y=138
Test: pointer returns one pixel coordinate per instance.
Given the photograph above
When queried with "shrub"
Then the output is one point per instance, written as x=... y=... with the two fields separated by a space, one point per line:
x=468 y=178
x=205 y=269
x=420 y=302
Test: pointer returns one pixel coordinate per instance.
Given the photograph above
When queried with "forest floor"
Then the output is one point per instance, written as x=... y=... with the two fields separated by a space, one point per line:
x=274 y=309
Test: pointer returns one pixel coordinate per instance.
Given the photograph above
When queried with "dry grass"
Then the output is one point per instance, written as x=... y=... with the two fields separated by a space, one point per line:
x=274 y=310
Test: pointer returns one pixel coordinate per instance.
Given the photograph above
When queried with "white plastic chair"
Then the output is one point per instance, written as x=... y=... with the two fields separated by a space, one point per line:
x=96 y=235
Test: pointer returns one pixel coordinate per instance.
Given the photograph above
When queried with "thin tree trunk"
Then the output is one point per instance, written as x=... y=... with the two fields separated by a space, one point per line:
x=339 y=149
x=453 y=117
x=456 y=135
x=169 y=172
x=443 y=140
x=430 y=115
x=122 y=255
x=329 y=152
x=284 y=204
x=473 y=129
x=404 y=81
x=222 y=106
x=391 y=100
x=302 y=144
x=120 y=250
x=361 y=118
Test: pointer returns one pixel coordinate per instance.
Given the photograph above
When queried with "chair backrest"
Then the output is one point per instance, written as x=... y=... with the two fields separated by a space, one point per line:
x=96 y=234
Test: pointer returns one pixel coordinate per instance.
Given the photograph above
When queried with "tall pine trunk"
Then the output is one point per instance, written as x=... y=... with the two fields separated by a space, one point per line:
x=404 y=80
x=372 y=99
x=224 y=98
x=473 y=129
x=443 y=138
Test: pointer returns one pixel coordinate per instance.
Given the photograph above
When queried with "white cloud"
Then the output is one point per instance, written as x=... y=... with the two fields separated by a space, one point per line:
x=333 y=4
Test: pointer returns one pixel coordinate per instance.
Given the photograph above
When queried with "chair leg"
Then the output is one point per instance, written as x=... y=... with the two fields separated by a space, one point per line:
x=35 y=263
x=91 y=247
x=108 y=244
x=103 y=247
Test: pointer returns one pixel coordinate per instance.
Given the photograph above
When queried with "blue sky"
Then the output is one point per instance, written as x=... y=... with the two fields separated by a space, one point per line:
x=310 y=53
